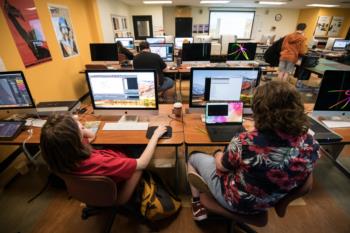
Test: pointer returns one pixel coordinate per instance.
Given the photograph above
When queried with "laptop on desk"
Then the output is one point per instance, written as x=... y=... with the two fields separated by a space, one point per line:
x=224 y=120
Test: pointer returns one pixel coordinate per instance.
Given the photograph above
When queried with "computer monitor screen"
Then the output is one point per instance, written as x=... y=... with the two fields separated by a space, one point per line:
x=123 y=90
x=222 y=84
x=340 y=45
x=155 y=40
x=127 y=42
x=165 y=51
x=179 y=41
x=104 y=52
x=241 y=51
x=196 y=52
x=334 y=94
x=330 y=42
x=223 y=113
x=14 y=91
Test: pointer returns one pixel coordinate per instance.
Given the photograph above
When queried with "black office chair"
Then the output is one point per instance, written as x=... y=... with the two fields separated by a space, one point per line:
x=100 y=193
x=241 y=220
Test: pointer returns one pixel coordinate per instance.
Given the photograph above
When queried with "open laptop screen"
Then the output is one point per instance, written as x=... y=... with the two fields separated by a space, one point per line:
x=224 y=113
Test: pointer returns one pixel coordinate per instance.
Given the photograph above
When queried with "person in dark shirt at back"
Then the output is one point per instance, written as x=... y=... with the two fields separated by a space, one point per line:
x=147 y=60
x=125 y=51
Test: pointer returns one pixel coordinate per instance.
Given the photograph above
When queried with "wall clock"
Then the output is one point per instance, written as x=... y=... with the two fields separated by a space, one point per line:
x=278 y=17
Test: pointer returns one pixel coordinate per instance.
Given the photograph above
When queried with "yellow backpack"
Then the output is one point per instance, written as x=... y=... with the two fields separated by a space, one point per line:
x=157 y=200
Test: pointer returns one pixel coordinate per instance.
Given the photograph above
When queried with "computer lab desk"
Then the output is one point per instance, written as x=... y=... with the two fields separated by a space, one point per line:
x=122 y=137
x=195 y=135
x=326 y=64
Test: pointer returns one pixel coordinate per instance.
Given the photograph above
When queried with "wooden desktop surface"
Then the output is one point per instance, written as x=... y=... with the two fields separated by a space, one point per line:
x=119 y=137
x=195 y=132
x=325 y=64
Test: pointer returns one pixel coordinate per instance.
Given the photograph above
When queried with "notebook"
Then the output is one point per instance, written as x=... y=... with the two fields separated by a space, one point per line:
x=224 y=120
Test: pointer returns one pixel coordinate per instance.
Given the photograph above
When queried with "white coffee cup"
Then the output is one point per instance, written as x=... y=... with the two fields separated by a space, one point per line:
x=177 y=109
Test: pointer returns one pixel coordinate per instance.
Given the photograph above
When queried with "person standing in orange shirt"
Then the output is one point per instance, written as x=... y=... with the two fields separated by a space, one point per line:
x=294 y=46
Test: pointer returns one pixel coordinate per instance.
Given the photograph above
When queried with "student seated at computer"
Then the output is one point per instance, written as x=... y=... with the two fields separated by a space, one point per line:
x=260 y=167
x=148 y=60
x=65 y=146
x=124 y=51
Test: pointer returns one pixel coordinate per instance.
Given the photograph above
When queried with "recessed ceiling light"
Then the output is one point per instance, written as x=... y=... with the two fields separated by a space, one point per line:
x=271 y=3
x=157 y=2
x=322 y=5
x=214 y=2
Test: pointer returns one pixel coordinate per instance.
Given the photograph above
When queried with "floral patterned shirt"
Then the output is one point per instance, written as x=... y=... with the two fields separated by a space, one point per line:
x=264 y=167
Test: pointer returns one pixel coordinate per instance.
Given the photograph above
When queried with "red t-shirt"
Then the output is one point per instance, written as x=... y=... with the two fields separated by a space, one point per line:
x=113 y=164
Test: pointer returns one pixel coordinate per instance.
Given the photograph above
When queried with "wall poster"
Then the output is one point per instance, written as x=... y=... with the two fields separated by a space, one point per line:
x=322 y=26
x=335 y=26
x=26 y=30
x=63 y=29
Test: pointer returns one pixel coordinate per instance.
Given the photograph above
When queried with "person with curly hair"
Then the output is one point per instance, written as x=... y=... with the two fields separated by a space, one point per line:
x=260 y=167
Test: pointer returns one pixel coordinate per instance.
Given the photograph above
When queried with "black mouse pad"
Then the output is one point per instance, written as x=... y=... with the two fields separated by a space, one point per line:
x=167 y=134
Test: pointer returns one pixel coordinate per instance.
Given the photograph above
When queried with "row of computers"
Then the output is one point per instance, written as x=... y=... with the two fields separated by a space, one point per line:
x=128 y=42
x=190 y=51
x=334 y=44
x=134 y=92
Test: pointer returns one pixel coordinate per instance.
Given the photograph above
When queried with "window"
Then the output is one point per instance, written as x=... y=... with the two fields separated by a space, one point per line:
x=238 y=23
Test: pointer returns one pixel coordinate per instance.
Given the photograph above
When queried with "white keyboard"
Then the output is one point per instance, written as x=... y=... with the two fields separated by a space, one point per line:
x=125 y=126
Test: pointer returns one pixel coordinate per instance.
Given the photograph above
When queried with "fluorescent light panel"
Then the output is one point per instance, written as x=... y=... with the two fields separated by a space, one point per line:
x=271 y=3
x=322 y=5
x=157 y=2
x=214 y=2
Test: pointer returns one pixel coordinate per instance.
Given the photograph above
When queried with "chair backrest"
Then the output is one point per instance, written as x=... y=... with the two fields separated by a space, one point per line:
x=95 y=67
x=281 y=205
x=96 y=191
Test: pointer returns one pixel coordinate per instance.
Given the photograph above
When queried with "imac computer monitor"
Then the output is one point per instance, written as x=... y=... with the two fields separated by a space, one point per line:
x=216 y=84
x=127 y=42
x=132 y=92
x=334 y=95
x=196 y=52
x=165 y=51
x=330 y=42
x=179 y=41
x=155 y=40
x=15 y=97
x=104 y=52
x=340 y=45
x=241 y=51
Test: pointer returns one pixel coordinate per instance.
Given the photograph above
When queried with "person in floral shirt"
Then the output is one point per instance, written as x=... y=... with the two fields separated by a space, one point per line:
x=260 y=167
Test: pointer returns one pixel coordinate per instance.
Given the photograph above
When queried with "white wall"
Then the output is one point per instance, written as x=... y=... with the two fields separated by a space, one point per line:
x=108 y=7
x=263 y=21
x=157 y=17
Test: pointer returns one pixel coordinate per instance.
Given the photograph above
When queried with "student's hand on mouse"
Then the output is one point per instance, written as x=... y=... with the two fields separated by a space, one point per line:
x=160 y=131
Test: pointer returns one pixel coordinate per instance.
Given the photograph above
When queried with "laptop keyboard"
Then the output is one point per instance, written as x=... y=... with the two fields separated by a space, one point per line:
x=223 y=133
x=317 y=127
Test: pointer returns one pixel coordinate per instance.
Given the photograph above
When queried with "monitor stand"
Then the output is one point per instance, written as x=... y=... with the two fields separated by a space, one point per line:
x=128 y=118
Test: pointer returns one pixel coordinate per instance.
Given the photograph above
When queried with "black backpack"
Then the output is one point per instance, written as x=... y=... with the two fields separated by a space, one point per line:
x=272 y=54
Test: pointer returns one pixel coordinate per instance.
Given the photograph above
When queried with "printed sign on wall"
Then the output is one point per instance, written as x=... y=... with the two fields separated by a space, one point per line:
x=335 y=26
x=322 y=26
x=26 y=30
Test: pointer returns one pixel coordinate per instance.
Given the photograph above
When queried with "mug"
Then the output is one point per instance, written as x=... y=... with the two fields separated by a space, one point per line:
x=177 y=110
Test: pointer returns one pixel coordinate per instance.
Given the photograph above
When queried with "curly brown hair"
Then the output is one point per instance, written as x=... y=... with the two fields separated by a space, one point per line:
x=61 y=143
x=278 y=107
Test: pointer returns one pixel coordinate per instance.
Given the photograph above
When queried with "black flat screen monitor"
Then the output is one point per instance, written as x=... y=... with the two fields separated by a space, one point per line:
x=241 y=51
x=155 y=40
x=15 y=96
x=334 y=95
x=165 y=51
x=223 y=84
x=123 y=91
x=127 y=42
x=104 y=52
x=340 y=45
x=196 y=52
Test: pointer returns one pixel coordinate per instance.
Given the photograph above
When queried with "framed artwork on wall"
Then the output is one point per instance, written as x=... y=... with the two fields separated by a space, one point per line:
x=322 y=26
x=120 y=26
x=335 y=26
x=64 y=31
x=25 y=26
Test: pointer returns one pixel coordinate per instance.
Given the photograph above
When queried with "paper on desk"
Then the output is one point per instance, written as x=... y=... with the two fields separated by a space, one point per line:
x=337 y=124
x=35 y=122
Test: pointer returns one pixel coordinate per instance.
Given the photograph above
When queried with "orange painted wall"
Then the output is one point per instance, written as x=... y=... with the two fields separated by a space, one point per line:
x=310 y=16
x=58 y=79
